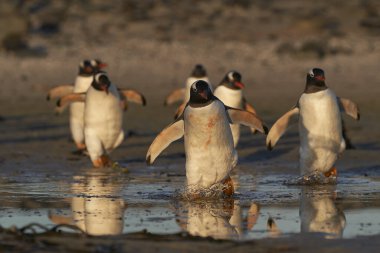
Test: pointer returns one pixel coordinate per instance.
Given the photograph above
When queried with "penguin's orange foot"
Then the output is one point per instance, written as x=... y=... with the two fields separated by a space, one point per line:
x=228 y=187
x=81 y=149
x=80 y=146
x=102 y=161
x=333 y=172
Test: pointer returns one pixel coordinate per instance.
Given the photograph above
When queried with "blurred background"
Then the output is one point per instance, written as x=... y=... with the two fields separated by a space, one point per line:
x=153 y=45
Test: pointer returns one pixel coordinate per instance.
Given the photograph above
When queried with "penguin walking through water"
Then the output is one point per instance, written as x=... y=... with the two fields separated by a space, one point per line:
x=183 y=94
x=87 y=68
x=103 y=118
x=230 y=92
x=318 y=112
x=72 y=95
x=204 y=123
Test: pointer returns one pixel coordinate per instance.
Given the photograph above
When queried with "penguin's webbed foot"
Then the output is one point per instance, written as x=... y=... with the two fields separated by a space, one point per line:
x=102 y=161
x=333 y=172
x=228 y=188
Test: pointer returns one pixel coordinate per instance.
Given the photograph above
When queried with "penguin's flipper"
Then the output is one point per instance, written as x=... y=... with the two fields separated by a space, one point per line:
x=179 y=110
x=349 y=107
x=171 y=133
x=248 y=107
x=280 y=126
x=60 y=91
x=175 y=96
x=248 y=119
x=133 y=96
x=64 y=101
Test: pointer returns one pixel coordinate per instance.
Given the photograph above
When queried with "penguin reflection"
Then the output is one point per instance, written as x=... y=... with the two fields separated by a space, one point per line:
x=209 y=218
x=97 y=212
x=219 y=219
x=319 y=213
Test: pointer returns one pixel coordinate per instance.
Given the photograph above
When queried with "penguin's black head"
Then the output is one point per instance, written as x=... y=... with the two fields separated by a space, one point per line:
x=86 y=68
x=315 y=81
x=199 y=71
x=232 y=80
x=200 y=93
x=101 y=82
x=98 y=65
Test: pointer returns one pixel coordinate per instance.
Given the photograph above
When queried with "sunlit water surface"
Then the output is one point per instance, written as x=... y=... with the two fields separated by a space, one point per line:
x=113 y=202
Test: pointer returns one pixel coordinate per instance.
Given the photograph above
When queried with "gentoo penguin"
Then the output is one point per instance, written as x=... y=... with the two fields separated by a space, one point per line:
x=83 y=81
x=320 y=125
x=87 y=69
x=210 y=153
x=183 y=94
x=230 y=92
x=103 y=118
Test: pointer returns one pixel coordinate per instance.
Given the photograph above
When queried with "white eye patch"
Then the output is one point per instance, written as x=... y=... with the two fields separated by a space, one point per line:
x=97 y=76
x=230 y=75
x=194 y=87
x=311 y=73
x=93 y=63
x=81 y=64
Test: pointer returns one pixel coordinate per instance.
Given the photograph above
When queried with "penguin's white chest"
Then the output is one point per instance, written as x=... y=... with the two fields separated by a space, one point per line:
x=103 y=116
x=82 y=83
x=320 y=131
x=189 y=82
x=230 y=97
x=208 y=144
x=234 y=99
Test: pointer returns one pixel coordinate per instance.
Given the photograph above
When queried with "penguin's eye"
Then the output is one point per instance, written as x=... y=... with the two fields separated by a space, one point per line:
x=311 y=73
x=195 y=88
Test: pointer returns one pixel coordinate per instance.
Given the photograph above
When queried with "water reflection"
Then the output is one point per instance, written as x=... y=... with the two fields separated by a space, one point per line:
x=319 y=213
x=97 y=210
x=219 y=218
x=211 y=218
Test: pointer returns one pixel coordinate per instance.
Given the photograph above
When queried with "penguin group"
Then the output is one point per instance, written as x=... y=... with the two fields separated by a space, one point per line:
x=209 y=121
x=96 y=111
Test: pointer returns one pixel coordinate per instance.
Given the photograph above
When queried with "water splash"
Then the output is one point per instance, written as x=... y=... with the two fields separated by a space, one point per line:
x=192 y=192
x=312 y=179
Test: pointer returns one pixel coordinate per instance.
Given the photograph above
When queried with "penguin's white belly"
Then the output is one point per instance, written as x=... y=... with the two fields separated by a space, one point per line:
x=208 y=145
x=234 y=99
x=320 y=131
x=77 y=109
x=189 y=82
x=103 y=117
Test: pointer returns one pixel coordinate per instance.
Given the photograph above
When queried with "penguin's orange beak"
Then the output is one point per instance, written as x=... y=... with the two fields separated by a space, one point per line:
x=105 y=88
x=239 y=85
x=102 y=65
x=320 y=78
x=203 y=94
